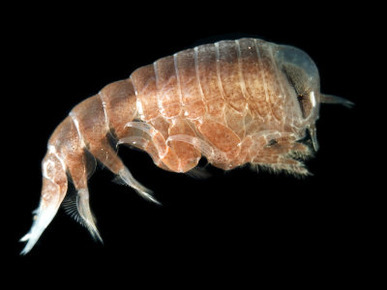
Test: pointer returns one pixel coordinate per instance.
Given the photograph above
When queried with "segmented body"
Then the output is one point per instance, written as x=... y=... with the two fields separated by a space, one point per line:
x=234 y=102
x=224 y=94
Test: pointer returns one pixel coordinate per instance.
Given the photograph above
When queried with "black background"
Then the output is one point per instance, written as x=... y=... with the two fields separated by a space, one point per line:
x=234 y=226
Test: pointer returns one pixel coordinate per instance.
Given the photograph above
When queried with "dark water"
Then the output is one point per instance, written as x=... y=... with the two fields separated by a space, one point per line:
x=236 y=221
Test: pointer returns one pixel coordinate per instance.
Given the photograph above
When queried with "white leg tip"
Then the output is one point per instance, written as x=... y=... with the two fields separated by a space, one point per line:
x=128 y=178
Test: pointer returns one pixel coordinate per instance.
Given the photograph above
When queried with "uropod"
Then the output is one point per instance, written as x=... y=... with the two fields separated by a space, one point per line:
x=234 y=102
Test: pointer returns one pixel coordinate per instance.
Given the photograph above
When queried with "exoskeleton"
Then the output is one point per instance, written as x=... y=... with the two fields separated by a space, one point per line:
x=234 y=102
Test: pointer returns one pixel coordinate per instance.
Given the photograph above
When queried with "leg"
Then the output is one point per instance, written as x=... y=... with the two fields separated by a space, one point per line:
x=54 y=185
x=276 y=151
x=65 y=155
x=187 y=154
x=78 y=206
x=153 y=142
x=92 y=125
x=221 y=145
x=107 y=156
x=54 y=189
x=214 y=155
x=146 y=145
x=281 y=163
x=168 y=154
x=221 y=137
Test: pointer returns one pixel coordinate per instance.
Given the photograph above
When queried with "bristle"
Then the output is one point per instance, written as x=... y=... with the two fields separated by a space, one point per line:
x=77 y=206
x=70 y=206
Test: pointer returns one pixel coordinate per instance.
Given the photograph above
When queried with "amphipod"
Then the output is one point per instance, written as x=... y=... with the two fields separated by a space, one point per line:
x=238 y=102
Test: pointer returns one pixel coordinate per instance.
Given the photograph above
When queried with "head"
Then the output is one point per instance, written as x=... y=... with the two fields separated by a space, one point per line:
x=303 y=81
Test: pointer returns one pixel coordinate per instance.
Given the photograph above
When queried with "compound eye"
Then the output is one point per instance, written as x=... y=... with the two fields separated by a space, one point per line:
x=298 y=81
x=307 y=103
x=304 y=105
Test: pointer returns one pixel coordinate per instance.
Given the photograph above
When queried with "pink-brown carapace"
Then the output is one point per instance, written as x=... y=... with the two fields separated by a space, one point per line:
x=236 y=102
